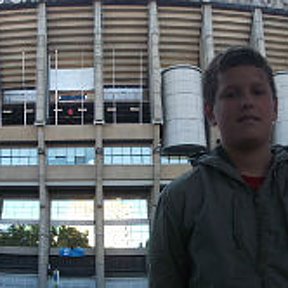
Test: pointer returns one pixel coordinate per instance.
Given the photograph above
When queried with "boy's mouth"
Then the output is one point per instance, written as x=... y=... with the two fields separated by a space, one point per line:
x=248 y=118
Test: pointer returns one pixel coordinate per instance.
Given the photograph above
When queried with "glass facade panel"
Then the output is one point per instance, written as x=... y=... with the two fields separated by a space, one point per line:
x=122 y=209
x=118 y=160
x=80 y=151
x=19 y=235
x=146 y=150
x=117 y=150
x=18 y=157
x=33 y=156
x=120 y=235
x=6 y=157
x=61 y=152
x=126 y=150
x=128 y=155
x=136 y=160
x=6 y=152
x=108 y=160
x=72 y=236
x=174 y=160
x=72 y=210
x=90 y=156
x=146 y=160
x=107 y=151
x=20 y=209
x=80 y=160
x=126 y=159
x=136 y=150
x=71 y=156
x=126 y=236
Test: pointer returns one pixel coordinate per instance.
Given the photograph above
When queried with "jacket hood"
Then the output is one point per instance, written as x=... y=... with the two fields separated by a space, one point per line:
x=220 y=160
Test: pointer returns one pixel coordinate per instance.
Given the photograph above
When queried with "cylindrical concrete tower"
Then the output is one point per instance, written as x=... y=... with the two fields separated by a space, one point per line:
x=281 y=127
x=184 y=131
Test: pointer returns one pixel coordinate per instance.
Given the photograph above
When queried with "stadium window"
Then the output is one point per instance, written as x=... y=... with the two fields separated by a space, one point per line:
x=18 y=114
x=19 y=222
x=72 y=236
x=72 y=210
x=72 y=223
x=71 y=156
x=71 y=113
x=126 y=236
x=127 y=155
x=174 y=160
x=126 y=223
x=120 y=209
x=17 y=234
x=20 y=209
x=127 y=112
x=18 y=157
x=126 y=105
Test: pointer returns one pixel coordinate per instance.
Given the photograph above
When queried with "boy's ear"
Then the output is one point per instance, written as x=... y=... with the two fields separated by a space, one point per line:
x=209 y=113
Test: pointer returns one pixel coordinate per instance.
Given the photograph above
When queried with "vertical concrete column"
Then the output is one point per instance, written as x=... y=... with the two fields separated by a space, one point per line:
x=206 y=42
x=44 y=222
x=1 y=102
x=206 y=55
x=155 y=193
x=41 y=66
x=155 y=101
x=98 y=64
x=99 y=121
x=154 y=64
x=1 y=206
x=257 y=39
x=99 y=210
x=1 y=105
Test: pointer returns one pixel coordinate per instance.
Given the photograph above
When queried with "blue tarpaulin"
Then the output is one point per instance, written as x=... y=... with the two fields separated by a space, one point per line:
x=72 y=252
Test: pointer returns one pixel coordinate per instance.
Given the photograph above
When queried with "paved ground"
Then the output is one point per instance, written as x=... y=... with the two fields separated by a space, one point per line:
x=30 y=281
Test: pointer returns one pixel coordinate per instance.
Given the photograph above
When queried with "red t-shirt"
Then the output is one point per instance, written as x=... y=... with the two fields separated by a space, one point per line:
x=254 y=182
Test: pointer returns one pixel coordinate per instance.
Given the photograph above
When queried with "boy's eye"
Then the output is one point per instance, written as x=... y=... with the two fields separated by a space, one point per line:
x=258 y=91
x=230 y=94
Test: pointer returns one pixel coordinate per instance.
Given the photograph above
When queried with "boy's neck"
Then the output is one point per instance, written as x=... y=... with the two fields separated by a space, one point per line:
x=251 y=162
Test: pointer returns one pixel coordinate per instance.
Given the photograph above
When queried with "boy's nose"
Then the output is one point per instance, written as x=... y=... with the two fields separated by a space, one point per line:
x=246 y=98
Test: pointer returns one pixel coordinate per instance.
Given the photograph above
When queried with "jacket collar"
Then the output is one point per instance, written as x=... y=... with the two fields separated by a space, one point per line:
x=220 y=160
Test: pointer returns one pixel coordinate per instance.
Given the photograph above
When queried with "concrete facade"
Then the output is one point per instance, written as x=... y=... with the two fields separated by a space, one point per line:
x=127 y=44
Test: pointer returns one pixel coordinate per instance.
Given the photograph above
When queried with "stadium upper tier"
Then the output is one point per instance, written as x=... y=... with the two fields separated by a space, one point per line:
x=70 y=35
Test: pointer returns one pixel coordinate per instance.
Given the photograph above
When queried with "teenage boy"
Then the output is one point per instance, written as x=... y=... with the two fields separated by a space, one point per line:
x=225 y=224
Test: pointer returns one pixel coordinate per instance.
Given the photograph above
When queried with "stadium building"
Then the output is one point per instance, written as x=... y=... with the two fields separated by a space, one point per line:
x=100 y=108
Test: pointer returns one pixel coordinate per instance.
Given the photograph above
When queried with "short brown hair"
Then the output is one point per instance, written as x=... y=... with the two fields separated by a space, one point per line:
x=232 y=57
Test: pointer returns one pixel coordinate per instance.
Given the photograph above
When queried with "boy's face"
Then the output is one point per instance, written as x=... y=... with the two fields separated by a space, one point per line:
x=244 y=108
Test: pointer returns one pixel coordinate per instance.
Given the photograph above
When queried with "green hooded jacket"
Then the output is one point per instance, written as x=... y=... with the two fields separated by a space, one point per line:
x=211 y=230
